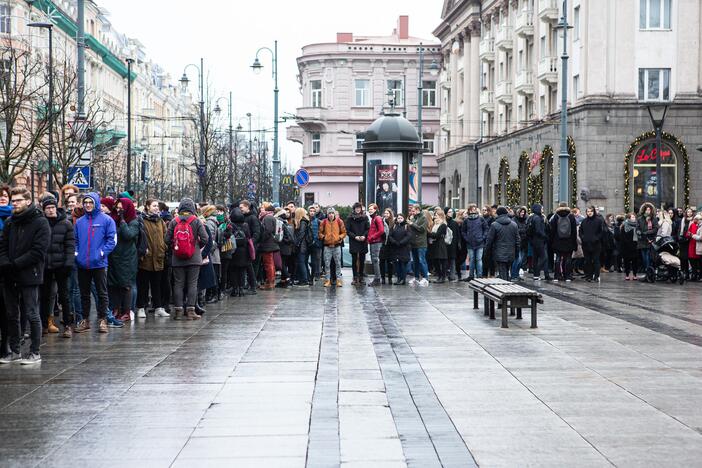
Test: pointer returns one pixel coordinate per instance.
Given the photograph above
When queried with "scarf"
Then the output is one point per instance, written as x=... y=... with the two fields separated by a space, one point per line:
x=632 y=225
x=473 y=216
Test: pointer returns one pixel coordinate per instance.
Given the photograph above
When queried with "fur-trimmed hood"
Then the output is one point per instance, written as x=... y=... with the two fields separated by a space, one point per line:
x=642 y=209
x=563 y=211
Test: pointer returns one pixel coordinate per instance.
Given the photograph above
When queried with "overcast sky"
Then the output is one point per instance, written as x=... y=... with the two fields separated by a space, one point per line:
x=227 y=34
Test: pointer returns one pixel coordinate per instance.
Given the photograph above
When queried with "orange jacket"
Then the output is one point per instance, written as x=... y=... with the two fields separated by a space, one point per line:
x=332 y=233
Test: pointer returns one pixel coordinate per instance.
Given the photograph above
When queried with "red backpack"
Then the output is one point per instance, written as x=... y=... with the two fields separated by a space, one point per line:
x=184 y=238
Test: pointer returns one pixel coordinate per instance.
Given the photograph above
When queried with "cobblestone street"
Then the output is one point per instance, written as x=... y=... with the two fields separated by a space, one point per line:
x=390 y=376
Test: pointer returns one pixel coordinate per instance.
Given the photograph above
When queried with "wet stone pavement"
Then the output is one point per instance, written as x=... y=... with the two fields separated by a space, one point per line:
x=384 y=377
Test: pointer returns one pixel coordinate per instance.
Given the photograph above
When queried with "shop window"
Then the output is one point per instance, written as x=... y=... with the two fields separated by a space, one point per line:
x=645 y=178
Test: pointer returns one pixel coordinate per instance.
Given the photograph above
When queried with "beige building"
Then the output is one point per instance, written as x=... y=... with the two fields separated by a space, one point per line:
x=345 y=85
x=623 y=56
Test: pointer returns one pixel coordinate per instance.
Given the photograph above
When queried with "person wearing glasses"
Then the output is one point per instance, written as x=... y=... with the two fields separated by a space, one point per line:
x=23 y=248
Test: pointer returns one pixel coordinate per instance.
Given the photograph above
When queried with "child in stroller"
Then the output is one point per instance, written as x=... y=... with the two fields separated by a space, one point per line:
x=666 y=266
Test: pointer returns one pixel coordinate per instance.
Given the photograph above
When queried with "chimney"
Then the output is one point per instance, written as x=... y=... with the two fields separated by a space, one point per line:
x=403 y=27
x=344 y=37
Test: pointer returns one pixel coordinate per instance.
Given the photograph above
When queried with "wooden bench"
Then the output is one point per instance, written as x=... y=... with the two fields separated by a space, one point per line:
x=478 y=285
x=512 y=296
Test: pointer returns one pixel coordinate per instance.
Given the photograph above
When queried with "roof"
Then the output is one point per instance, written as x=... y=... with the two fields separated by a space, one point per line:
x=391 y=132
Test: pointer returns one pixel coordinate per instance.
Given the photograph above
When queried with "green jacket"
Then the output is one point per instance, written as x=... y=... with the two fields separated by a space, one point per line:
x=123 y=261
x=418 y=229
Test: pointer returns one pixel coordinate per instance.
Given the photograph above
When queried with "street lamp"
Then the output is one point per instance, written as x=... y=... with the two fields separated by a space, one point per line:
x=130 y=61
x=218 y=110
x=50 y=111
x=657 y=113
x=257 y=67
x=184 y=86
x=564 y=156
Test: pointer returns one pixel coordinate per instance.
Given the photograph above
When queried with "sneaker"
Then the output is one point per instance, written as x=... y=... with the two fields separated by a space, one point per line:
x=424 y=283
x=83 y=326
x=114 y=322
x=67 y=332
x=413 y=281
x=102 y=326
x=161 y=312
x=141 y=313
x=568 y=280
x=555 y=280
x=537 y=278
x=31 y=358
x=11 y=358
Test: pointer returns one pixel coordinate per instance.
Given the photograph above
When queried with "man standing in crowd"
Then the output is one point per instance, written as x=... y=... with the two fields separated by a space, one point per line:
x=332 y=232
x=503 y=242
x=418 y=227
x=269 y=244
x=375 y=241
x=96 y=237
x=255 y=229
x=537 y=234
x=474 y=232
x=25 y=241
x=564 y=242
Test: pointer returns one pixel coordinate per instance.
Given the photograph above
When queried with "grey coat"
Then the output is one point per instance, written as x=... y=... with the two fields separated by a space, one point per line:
x=201 y=236
x=503 y=239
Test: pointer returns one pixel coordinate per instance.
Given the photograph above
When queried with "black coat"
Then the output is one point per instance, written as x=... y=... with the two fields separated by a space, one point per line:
x=563 y=245
x=438 y=248
x=592 y=231
x=522 y=226
x=357 y=225
x=399 y=242
x=254 y=227
x=23 y=247
x=303 y=234
x=240 y=257
x=627 y=246
x=452 y=250
x=62 y=247
x=503 y=239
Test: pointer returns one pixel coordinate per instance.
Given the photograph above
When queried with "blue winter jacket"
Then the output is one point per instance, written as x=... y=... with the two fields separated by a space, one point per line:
x=314 y=224
x=96 y=237
x=474 y=232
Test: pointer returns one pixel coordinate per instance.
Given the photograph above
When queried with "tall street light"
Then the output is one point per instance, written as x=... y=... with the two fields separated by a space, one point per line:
x=184 y=85
x=257 y=66
x=434 y=70
x=218 y=110
x=564 y=156
x=50 y=111
x=657 y=113
x=130 y=61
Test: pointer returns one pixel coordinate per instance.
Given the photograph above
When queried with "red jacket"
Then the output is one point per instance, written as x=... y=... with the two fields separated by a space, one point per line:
x=375 y=233
x=692 y=251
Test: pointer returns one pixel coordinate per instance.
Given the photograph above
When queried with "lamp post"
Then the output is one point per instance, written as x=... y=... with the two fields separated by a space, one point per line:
x=217 y=110
x=564 y=156
x=434 y=70
x=50 y=110
x=184 y=85
x=657 y=113
x=276 y=159
x=130 y=61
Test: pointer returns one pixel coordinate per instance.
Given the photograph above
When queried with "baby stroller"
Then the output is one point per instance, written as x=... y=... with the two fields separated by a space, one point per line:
x=666 y=266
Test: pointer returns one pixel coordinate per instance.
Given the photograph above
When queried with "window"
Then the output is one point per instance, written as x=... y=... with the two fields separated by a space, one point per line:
x=645 y=178
x=316 y=143
x=542 y=46
x=316 y=93
x=654 y=84
x=395 y=92
x=429 y=93
x=360 y=138
x=576 y=23
x=5 y=19
x=428 y=143
x=362 y=93
x=576 y=87
x=654 y=14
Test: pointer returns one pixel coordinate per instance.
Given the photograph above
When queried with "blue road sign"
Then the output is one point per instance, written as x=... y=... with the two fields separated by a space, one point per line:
x=79 y=176
x=302 y=177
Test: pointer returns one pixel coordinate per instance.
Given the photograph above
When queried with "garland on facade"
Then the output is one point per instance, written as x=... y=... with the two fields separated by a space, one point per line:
x=627 y=165
x=535 y=192
x=544 y=178
x=513 y=192
x=573 y=172
x=502 y=178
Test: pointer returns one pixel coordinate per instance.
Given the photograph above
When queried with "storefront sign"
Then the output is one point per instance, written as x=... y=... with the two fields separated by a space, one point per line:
x=648 y=152
x=534 y=160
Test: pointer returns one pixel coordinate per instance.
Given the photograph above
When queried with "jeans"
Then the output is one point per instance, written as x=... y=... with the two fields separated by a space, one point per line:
x=475 y=262
x=30 y=306
x=334 y=252
x=400 y=270
x=645 y=258
x=538 y=248
x=563 y=266
x=358 y=261
x=185 y=278
x=46 y=293
x=149 y=280
x=419 y=259
x=86 y=278
x=316 y=256
x=302 y=275
x=518 y=262
x=75 y=295
x=386 y=269
x=375 y=258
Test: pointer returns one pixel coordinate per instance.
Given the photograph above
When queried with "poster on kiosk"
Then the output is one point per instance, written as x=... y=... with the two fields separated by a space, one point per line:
x=386 y=181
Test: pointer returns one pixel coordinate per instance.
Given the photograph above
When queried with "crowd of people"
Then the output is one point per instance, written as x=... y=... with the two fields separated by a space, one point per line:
x=70 y=251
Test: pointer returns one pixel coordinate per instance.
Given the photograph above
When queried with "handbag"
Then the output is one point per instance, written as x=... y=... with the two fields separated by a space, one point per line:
x=252 y=249
x=226 y=246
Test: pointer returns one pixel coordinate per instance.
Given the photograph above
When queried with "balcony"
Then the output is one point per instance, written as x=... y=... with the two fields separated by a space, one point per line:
x=487 y=49
x=524 y=82
x=548 y=10
x=504 y=38
x=548 y=70
x=487 y=101
x=311 y=118
x=524 y=25
x=503 y=92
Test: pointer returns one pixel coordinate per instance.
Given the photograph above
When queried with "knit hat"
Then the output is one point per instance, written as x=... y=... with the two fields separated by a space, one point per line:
x=331 y=210
x=208 y=210
x=127 y=194
x=48 y=201
x=501 y=211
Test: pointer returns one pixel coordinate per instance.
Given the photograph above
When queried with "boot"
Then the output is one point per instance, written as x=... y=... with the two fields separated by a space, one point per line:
x=52 y=326
x=190 y=314
x=177 y=313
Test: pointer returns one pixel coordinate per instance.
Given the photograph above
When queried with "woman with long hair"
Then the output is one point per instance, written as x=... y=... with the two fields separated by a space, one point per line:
x=399 y=239
x=437 y=245
x=386 y=259
x=122 y=267
x=303 y=240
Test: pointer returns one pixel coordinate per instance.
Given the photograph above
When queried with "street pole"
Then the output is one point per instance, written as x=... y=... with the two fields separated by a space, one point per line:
x=248 y=114
x=276 y=156
x=80 y=47
x=659 y=150
x=420 y=104
x=231 y=156
x=129 y=123
x=50 y=182
x=201 y=169
x=564 y=157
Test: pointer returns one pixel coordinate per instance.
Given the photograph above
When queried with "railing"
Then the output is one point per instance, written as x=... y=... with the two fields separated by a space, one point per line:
x=525 y=22
x=487 y=48
x=487 y=99
x=548 y=9
x=503 y=37
x=548 y=68
x=503 y=91
x=524 y=81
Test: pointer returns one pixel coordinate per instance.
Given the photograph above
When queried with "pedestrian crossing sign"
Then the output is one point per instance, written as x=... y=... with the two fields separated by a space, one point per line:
x=79 y=176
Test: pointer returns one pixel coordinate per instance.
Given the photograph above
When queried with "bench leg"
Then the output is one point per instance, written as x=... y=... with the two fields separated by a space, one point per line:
x=486 y=306
x=492 y=310
x=519 y=313
x=504 y=315
x=511 y=311
x=475 y=299
x=533 y=313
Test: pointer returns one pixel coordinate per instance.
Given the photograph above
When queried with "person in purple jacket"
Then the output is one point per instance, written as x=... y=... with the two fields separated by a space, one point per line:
x=96 y=237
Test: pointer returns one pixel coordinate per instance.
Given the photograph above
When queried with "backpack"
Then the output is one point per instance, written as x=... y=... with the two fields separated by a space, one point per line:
x=278 y=234
x=239 y=236
x=448 y=238
x=563 y=227
x=288 y=234
x=142 y=244
x=184 y=238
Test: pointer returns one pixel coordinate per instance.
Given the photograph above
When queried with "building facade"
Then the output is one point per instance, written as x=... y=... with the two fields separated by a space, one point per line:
x=623 y=57
x=345 y=85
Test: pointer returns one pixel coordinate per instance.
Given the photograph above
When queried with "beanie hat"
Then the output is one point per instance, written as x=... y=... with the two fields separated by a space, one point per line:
x=501 y=211
x=48 y=201
x=331 y=210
